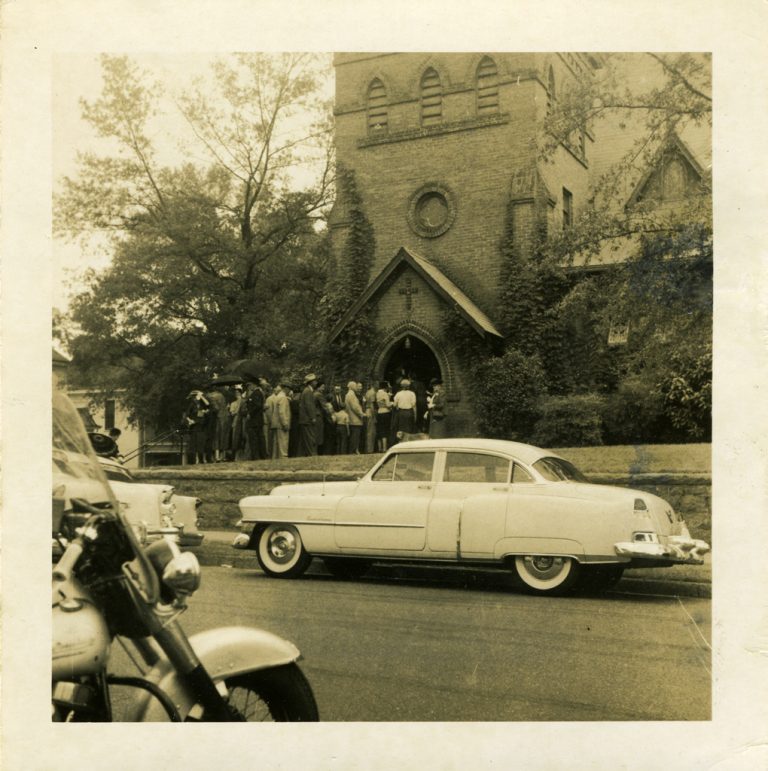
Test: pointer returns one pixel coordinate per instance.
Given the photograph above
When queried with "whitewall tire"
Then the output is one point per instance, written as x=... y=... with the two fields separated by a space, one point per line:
x=280 y=551
x=546 y=574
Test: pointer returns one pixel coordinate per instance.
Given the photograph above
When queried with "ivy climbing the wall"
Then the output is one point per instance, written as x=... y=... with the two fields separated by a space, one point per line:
x=348 y=277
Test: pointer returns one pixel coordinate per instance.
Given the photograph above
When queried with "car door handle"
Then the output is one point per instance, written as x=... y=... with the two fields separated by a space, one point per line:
x=501 y=489
x=425 y=487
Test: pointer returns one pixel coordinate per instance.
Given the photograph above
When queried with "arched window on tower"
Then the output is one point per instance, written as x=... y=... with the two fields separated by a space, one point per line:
x=377 y=107
x=487 y=86
x=431 y=98
x=551 y=96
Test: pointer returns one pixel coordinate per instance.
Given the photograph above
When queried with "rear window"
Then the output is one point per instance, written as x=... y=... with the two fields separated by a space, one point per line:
x=558 y=470
x=475 y=467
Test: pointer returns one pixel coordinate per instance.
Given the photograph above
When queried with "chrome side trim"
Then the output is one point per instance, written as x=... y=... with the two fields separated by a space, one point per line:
x=378 y=524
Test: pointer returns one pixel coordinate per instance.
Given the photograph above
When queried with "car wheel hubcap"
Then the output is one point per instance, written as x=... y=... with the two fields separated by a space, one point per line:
x=282 y=546
x=544 y=567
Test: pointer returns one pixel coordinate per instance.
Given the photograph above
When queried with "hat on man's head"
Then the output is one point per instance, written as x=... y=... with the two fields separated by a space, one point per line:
x=435 y=381
x=309 y=378
x=405 y=382
x=352 y=384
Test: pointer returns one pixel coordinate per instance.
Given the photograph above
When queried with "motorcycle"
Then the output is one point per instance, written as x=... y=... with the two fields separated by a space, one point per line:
x=110 y=587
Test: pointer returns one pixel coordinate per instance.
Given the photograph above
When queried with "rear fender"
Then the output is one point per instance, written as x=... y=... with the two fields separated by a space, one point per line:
x=225 y=652
x=507 y=547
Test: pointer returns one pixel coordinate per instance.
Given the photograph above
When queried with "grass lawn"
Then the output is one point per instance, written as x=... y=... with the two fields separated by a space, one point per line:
x=620 y=459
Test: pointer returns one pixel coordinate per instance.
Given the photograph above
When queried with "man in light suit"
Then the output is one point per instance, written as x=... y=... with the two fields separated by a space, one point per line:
x=278 y=415
x=356 y=415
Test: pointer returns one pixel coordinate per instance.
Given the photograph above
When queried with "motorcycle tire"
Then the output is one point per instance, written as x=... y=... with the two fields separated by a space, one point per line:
x=280 y=694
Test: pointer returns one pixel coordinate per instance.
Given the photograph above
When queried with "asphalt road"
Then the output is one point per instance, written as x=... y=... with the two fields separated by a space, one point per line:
x=416 y=645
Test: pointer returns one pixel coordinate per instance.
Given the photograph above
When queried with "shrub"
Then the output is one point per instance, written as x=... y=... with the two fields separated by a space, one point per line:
x=569 y=421
x=634 y=414
x=687 y=392
x=508 y=390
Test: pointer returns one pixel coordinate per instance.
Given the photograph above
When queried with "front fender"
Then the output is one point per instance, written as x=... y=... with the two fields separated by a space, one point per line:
x=225 y=652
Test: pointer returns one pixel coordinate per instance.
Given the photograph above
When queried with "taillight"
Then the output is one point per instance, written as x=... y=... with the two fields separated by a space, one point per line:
x=645 y=536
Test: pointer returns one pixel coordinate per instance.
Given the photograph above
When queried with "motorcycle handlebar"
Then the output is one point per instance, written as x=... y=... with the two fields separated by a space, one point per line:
x=69 y=558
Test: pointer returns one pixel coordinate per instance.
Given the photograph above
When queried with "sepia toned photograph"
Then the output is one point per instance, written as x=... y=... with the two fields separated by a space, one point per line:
x=405 y=385
x=428 y=334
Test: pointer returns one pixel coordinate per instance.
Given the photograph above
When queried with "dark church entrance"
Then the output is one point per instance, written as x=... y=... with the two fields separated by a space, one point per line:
x=413 y=358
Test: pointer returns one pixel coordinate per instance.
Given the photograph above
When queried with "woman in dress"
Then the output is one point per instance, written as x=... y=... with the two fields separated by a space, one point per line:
x=437 y=427
x=383 y=416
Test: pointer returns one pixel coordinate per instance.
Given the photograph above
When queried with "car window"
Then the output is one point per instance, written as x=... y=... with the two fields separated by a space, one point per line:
x=414 y=466
x=519 y=474
x=558 y=470
x=385 y=472
x=408 y=467
x=475 y=467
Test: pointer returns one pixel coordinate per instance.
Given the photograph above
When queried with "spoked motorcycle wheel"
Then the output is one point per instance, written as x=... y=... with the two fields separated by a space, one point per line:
x=281 y=694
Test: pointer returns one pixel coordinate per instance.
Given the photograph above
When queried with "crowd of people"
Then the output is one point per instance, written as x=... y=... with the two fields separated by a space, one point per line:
x=257 y=420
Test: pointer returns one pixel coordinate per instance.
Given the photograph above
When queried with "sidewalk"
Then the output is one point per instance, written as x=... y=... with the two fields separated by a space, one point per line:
x=680 y=580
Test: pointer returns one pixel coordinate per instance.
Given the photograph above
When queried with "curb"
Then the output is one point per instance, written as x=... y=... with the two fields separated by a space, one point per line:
x=666 y=588
x=220 y=554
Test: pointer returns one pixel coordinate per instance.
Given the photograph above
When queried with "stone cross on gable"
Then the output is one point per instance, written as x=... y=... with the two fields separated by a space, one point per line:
x=409 y=291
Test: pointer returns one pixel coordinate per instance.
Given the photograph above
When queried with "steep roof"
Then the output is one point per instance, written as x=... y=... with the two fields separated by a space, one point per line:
x=436 y=279
x=59 y=358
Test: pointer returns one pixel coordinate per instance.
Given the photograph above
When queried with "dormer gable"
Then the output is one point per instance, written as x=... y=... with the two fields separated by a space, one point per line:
x=674 y=175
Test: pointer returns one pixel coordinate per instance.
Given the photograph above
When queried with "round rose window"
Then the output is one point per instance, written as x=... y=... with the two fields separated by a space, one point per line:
x=431 y=212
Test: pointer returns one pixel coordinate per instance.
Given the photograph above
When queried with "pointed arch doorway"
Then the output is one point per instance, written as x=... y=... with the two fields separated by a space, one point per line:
x=412 y=358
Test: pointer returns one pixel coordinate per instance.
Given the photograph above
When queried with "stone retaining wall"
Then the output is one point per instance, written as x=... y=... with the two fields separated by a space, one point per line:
x=221 y=489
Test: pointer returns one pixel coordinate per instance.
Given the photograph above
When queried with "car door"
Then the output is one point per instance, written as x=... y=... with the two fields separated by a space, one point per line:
x=388 y=511
x=467 y=515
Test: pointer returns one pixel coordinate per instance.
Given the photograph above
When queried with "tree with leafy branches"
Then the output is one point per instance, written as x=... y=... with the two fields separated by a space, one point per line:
x=626 y=260
x=215 y=258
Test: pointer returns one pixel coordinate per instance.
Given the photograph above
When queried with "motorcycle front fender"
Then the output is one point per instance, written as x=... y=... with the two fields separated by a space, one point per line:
x=225 y=652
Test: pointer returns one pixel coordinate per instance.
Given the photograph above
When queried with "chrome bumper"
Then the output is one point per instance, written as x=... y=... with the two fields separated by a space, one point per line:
x=677 y=550
x=241 y=541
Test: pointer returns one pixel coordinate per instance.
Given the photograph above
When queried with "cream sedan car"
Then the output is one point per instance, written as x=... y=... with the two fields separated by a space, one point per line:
x=476 y=502
x=154 y=507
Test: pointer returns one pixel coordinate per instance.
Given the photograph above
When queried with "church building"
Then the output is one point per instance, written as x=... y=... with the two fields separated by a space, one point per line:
x=444 y=150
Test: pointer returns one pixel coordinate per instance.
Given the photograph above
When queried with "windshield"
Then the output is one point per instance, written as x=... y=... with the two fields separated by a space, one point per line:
x=76 y=471
x=558 y=470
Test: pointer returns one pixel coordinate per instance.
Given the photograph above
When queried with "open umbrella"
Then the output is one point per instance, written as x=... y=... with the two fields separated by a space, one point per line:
x=231 y=378
x=253 y=368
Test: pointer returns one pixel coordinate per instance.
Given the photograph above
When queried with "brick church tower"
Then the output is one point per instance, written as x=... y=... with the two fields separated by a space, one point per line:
x=442 y=147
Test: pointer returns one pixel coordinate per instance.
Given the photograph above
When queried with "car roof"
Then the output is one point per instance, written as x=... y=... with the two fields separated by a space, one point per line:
x=524 y=452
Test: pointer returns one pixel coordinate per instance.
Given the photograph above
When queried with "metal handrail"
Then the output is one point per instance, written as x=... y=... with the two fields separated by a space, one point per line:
x=155 y=440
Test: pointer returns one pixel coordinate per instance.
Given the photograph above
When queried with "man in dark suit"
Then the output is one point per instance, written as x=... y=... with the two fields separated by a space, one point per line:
x=254 y=427
x=308 y=417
